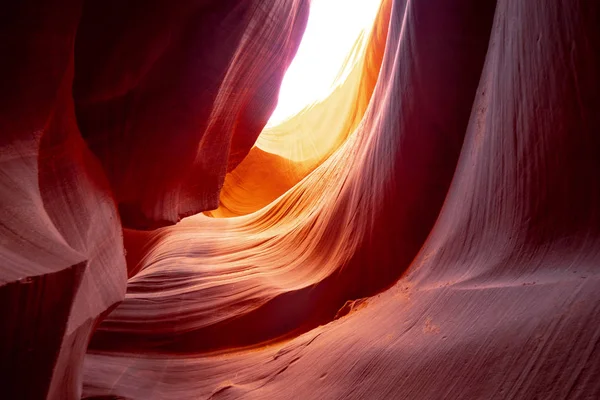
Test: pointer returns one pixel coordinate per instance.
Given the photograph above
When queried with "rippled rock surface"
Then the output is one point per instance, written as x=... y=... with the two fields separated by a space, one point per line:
x=431 y=229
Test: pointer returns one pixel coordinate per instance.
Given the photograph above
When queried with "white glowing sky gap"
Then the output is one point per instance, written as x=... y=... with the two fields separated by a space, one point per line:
x=333 y=28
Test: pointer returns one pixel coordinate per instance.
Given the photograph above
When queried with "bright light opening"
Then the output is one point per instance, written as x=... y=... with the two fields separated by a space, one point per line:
x=332 y=30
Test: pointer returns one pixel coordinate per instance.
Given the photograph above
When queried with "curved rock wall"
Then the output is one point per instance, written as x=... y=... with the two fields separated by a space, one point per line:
x=443 y=242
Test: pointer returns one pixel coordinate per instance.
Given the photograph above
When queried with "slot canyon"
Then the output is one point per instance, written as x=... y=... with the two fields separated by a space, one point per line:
x=426 y=225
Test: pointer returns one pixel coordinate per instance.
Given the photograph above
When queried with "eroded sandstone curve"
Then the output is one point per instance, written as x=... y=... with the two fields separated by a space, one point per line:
x=431 y=229
x=170 y=98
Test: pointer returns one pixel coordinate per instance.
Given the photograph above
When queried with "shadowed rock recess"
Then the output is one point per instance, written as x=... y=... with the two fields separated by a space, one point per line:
x=428 y=230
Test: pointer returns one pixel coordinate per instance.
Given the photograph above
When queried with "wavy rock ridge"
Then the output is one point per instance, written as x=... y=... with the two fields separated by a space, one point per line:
x=431 y=229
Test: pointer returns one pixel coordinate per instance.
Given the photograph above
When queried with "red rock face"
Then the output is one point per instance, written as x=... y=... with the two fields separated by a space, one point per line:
x=171 y=98
x=62 y=255
x=447 y=247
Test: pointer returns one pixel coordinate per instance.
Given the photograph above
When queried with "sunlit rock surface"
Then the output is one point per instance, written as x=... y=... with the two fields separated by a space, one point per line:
x=429 y=230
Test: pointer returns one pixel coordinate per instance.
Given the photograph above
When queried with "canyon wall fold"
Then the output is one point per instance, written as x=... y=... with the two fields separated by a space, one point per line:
x=61 y=249
x=431 y=229
x=171 y=98
x=498 y=302
x=336 y=236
